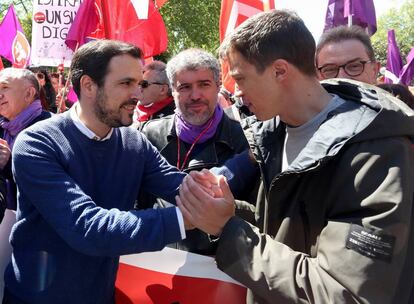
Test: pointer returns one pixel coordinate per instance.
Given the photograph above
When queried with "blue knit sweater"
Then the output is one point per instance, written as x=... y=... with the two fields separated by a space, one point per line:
x=75 y=197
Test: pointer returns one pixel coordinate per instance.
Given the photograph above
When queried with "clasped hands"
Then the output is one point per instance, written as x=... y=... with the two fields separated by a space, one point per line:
x=205 y=201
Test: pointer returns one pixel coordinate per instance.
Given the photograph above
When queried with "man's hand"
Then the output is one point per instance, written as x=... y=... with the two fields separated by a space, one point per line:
x=5 y=153
x=198 y=205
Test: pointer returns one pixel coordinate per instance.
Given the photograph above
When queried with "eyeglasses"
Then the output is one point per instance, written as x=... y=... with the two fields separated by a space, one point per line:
x=145 y=83
x=353 y=68
x=40 y=76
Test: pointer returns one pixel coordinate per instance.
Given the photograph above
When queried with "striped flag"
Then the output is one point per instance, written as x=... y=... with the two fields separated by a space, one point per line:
x=233 y=13
x=174 y=276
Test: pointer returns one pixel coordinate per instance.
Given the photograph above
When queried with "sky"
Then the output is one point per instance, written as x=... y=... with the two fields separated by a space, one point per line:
x=313 y=11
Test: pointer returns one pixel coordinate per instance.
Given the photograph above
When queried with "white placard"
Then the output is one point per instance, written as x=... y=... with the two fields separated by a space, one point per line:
x=50 y=25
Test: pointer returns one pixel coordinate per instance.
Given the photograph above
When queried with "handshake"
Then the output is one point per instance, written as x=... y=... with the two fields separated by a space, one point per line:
x=205 y=201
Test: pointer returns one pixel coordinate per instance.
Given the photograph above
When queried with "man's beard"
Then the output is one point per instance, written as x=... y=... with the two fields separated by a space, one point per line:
x=110 y=117
x=193 y=117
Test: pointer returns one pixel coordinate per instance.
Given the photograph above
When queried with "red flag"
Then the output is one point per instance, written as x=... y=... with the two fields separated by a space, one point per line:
x=85 y=23
x=118 y=19
x=13 y=43
x=233 y=13
x=160 y=3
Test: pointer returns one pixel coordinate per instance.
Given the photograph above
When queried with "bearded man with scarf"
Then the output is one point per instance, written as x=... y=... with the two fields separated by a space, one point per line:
x=199 y=135
x=20 y=108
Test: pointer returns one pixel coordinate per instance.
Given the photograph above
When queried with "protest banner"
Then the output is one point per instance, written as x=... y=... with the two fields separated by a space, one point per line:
x=174 y=276
x=51 y=22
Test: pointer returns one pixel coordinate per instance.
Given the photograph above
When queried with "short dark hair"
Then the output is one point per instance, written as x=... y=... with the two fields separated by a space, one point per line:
x=93 y=58
x=342 y=33
x=277 y=34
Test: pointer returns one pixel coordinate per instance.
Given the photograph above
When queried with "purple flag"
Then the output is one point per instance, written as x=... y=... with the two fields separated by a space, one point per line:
x=407 y=72
x=83 y=25
x=362 y=13
x=13 y=43
x=394 y=61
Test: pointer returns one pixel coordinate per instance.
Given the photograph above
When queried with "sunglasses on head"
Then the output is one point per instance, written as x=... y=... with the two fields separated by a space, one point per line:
x=145 y=83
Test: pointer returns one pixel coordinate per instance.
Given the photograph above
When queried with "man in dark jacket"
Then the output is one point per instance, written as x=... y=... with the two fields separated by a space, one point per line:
x=199 y=135
x=335 y=214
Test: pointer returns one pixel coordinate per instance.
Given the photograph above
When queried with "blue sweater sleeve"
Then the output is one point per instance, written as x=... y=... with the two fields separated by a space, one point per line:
x=239 y=171
x=48 y=194
x=160 y=178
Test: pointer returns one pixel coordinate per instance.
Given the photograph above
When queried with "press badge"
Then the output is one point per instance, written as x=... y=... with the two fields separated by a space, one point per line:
x=370 y=243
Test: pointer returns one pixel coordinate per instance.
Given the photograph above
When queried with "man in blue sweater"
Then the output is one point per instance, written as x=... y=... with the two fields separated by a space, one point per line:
x=78 y=175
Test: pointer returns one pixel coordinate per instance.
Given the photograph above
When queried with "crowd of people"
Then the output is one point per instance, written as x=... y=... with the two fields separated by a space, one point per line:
x=300 y=184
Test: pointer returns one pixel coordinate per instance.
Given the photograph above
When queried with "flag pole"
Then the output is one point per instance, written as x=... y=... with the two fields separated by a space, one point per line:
x=61 y=109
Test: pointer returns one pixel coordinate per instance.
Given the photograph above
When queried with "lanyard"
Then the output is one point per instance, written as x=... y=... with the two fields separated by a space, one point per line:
x=187 y=155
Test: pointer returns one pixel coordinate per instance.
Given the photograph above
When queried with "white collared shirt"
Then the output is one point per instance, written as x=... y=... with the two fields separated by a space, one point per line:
x=83 y=128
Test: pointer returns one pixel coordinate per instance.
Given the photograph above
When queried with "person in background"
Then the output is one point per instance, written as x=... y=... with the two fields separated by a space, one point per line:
x=156 y=101
x=400 y=91
x=78 y=175
x=20 y=108
x=199 y=135
x=58 y=81
x=346 y=52
x=48 y=94
x=335 y=223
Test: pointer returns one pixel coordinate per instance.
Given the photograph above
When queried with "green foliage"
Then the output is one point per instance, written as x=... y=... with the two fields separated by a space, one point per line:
x=401 y=20
x=191 y=23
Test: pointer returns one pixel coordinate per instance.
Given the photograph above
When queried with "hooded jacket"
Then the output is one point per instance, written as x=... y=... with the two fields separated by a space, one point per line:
x=337 y=225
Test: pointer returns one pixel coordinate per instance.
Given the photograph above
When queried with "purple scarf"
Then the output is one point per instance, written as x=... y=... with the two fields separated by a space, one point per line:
x=188 y=132
x=15 y=126
x=11 y=130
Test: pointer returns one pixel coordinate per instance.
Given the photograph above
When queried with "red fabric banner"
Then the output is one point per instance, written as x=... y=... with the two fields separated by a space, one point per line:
x=174 y=276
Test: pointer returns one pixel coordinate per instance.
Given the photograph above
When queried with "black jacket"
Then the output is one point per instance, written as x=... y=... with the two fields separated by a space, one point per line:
x=228 y=141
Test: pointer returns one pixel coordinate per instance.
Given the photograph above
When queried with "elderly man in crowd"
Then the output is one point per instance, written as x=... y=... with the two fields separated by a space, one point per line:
x=156 y=101
x=20 y=108
x=199 y=135
x=346 y=52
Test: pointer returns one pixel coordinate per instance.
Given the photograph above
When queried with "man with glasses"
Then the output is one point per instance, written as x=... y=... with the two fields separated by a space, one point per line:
x=156 y=101
x=346 y=52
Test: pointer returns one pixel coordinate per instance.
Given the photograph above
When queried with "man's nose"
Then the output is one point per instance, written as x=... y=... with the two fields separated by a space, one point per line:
x=196 y=93
x=342 y=74
x=137 y=94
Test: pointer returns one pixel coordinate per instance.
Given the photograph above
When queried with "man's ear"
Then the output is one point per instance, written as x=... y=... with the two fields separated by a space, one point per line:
x=280 y=69
x=30 y=94
x=88 y=87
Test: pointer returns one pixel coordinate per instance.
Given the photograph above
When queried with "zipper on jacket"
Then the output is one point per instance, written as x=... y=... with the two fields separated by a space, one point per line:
x=305 y=220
